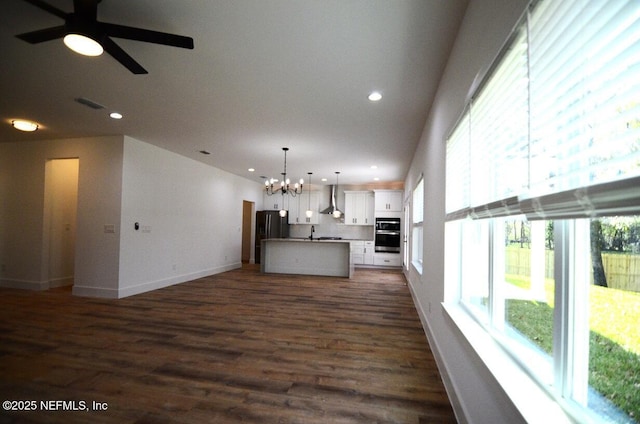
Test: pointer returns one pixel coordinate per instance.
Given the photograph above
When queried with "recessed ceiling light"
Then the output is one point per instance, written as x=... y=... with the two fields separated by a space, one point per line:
x=376 y=179
x=22 y=125
x=375 y=96
x=115 y=115
x=251 y=170
x=83 y=45
x=324 y=180
x=374 y=166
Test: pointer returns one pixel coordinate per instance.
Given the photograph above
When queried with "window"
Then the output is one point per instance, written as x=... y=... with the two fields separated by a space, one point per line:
x=542 y=199
x=416 y=232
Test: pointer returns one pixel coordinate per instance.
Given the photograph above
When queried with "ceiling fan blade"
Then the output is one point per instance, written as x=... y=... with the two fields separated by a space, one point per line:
x=121 y=56
x=47 y=7
x=86 y=9
x=46 y=34
x=139 y=34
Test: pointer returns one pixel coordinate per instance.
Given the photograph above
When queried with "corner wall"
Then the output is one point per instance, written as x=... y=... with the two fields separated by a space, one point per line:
x=22 y=185
x=189 y=216
x=474 y=393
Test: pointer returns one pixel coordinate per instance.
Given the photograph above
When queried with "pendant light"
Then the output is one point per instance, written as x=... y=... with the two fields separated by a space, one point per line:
x=309 y=212
x=336 y=212
x=285 y=185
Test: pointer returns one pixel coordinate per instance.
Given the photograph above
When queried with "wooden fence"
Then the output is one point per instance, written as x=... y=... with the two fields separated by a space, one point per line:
x=622 y=270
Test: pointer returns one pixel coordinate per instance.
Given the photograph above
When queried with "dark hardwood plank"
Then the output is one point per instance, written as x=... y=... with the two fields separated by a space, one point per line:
x=235 y=347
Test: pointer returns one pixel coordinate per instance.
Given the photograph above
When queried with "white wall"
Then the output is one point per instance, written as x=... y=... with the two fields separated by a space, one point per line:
x=475 y=395
x=193 y=211
x=22 y=183
x=190 y=218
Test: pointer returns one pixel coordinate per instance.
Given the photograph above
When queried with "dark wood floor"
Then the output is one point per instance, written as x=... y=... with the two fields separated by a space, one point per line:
x=235 y=347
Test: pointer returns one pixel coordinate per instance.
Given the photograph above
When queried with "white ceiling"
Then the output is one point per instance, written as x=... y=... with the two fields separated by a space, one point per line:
x=264 y=74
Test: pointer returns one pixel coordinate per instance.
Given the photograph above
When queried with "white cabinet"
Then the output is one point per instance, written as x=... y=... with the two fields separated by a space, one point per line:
x=387 y=259
x=359 y=208
x=299 y=206
x=369 y=249
x=388 y=200
x=362 y=252
x=357 y=252
x=273 y=203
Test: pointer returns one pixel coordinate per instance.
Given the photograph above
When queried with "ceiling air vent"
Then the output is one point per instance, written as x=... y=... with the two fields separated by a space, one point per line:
x=89 y=103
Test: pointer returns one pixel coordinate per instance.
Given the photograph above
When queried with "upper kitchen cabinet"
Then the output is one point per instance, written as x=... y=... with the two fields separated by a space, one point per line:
x=273 y=203
x=299 y=205
x=359 y=208
x=388 y=200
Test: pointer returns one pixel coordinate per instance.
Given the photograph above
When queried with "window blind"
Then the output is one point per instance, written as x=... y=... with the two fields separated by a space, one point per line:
x=499 y=128
x=418 y=202
x=585 y=93
x=457 y=167
x=554 y=130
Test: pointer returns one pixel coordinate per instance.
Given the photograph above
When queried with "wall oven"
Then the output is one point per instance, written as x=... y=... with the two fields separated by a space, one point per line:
x=387 y=235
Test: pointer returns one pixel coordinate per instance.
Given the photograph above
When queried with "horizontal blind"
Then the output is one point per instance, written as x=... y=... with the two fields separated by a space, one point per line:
x=585 y=93
x=554 y=131
x=621 y=197
x=499 y=123
x=457 y=167
x=418 y=202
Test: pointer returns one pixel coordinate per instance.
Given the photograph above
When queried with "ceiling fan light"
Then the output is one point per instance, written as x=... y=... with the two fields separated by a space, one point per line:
x=22 y=125
x=83 y=45
x=375 y=96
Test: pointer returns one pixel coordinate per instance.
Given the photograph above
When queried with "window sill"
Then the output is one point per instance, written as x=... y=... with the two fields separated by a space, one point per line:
x=417 y=266
x=531 y=400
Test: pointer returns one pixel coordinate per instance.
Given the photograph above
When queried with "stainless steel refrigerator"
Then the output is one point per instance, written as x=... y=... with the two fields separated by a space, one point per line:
x=269 y=224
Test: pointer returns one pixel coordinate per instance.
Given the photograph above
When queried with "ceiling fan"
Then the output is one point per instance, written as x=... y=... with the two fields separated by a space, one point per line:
x=83 y=24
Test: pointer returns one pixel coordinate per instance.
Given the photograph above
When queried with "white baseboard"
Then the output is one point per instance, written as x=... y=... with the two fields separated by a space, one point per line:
x=84 y=291
x=24 y=284
x=61 y=282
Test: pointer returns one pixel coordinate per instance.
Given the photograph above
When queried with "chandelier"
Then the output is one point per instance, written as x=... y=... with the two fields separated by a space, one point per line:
x=285 y=187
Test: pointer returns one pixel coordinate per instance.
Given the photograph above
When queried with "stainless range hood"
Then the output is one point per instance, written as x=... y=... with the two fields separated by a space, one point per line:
x=333 y=205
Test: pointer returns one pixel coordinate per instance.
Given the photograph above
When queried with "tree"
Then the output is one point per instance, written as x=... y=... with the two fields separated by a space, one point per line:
x=549 y=235
x=597 y=240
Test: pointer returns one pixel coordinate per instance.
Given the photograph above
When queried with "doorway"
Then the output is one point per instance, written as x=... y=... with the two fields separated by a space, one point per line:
x=247 y=231
x=60 y=213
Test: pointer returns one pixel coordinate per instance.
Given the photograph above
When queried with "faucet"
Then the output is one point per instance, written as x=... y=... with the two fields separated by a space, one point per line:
x=313 y=230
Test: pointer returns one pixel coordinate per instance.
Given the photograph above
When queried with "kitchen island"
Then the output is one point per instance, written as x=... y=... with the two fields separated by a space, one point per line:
x=306 y=257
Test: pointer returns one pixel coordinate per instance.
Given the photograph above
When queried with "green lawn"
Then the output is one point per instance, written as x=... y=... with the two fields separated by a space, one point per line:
x=614 y=343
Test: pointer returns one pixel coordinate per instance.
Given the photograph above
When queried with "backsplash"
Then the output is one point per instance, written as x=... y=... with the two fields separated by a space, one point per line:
x=331 y=227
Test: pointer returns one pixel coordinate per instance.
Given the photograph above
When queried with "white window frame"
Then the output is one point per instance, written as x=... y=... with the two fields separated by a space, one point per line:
x=417 y=227
x=569 y=205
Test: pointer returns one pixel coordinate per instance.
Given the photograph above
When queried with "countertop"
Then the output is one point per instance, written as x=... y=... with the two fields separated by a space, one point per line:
x=315 y=239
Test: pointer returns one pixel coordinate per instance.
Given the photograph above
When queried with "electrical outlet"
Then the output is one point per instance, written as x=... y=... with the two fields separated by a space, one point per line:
x=109 y=229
